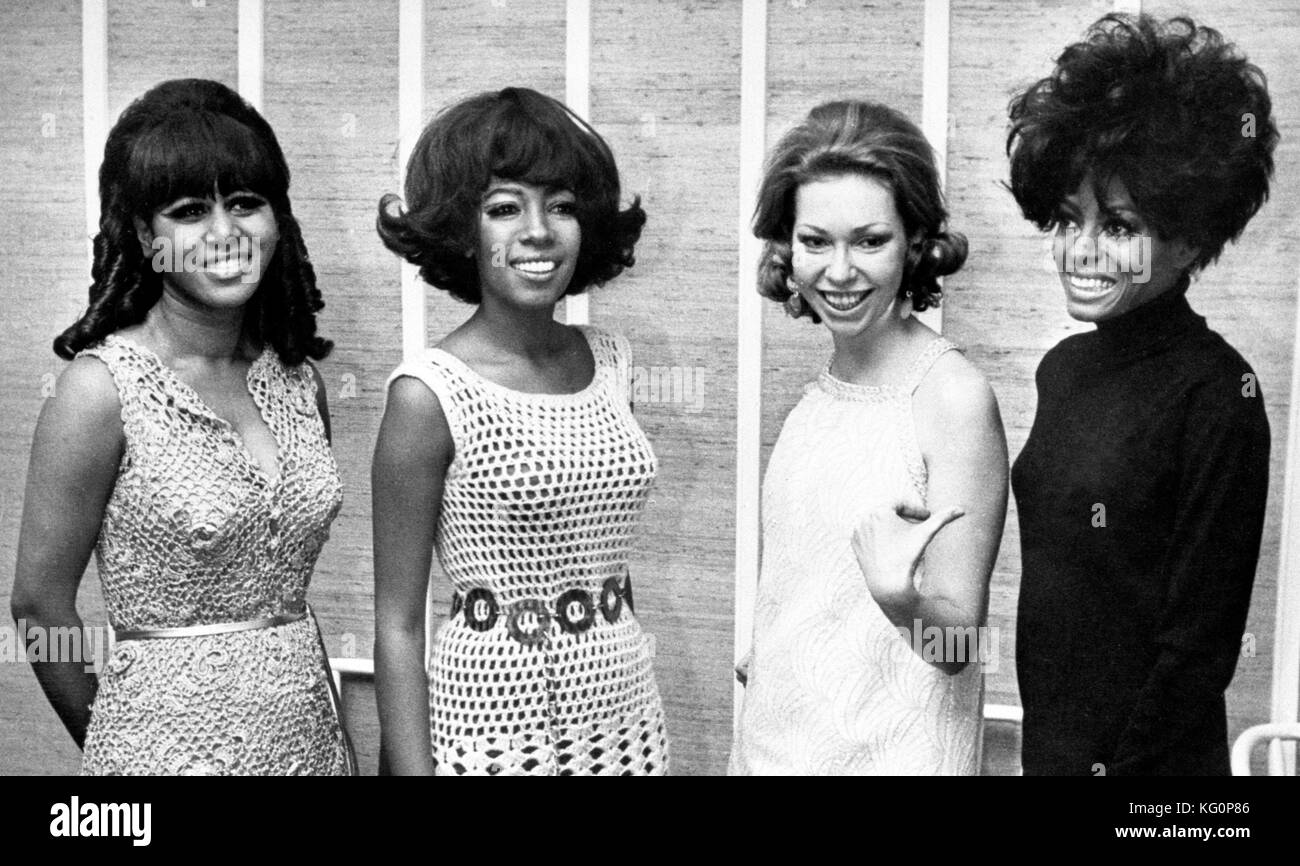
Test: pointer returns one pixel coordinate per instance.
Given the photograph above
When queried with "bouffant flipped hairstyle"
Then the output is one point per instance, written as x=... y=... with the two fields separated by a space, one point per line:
x=1170 y=109
x=183 y=138
x=866 y=138
x=515 y=134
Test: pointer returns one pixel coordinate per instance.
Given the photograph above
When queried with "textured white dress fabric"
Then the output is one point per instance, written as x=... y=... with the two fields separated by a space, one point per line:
x=542 y=667
x=834 y=688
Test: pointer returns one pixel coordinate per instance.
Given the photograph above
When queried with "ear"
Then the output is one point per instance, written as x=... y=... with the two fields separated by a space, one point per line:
x=145 y=235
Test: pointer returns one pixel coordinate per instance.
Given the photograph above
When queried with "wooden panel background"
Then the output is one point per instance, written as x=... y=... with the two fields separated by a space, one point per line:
x=665 y=92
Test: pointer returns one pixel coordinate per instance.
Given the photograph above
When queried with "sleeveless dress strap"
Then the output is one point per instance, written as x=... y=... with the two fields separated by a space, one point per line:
x=444 y=382
x=926 y=360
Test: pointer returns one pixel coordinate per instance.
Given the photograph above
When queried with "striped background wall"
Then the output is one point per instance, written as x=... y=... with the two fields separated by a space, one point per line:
x=667 y=90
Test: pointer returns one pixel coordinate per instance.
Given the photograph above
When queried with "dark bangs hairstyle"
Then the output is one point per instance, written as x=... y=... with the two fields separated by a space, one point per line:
x=1170 y=109
x=185 y=138
x=515 y=134
x=863 y=138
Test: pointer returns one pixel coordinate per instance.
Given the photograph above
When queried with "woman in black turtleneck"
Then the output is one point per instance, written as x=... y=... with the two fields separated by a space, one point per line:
x=1141 y=488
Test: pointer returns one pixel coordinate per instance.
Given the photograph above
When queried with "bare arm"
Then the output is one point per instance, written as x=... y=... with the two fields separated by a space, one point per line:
x=411 y=459
x=75 y=456
x=960 y=434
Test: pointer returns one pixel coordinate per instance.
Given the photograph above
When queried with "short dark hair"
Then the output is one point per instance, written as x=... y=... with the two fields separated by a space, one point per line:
x=182 y=138
x=1170 y=109
x=865 y=138
x=515 y=134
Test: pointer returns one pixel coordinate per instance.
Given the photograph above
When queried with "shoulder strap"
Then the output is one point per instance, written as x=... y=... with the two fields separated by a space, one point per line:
x=926 y=360
x=446 y=385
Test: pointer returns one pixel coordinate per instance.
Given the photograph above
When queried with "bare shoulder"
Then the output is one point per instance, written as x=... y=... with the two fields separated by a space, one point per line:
x=414 y=423
x=86 y=390
x=955 y=393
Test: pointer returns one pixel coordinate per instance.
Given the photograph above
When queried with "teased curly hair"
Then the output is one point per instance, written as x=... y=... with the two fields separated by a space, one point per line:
x=181 y=139
x=858 y=138
x=1170 y=109
x=515 y=134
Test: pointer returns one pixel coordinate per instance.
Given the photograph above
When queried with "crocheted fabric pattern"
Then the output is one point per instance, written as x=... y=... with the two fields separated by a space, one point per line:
x=195 y=533
x=542 y=498
x=834 y=689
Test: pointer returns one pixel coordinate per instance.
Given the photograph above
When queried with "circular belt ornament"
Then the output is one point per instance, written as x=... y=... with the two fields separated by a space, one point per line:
x=457 y=602
x=611 y=599
x=480 y=609
x=575 y=611
x=529 y=622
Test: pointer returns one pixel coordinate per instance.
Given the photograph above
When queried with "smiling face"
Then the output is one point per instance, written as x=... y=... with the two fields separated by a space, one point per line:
x=528 y=244
x=212 y=252
x=849 y=251
x=1109 y=259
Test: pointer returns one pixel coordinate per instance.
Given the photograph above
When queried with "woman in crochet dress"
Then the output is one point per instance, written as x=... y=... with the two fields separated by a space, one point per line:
x=511 y=451
x=187 y=444
x=885 y=495
x=1141 y=488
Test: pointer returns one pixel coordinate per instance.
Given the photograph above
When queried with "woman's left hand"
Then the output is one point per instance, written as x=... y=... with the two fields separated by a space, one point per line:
x=889 y=544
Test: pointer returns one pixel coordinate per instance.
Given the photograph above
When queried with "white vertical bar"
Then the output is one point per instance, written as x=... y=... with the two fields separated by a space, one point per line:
x=410 y=117
x=94 y=106
x=749 y=336
x=934 y=105
x=251 y=46
x=577 y=95
x=1286 y=635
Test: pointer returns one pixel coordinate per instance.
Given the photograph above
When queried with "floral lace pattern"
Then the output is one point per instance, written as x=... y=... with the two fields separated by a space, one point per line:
x=194 y=533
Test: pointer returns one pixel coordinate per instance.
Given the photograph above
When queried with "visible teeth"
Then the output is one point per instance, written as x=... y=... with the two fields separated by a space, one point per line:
x=226 y=268
x=1092 y=283
x=843 y=301
x=537 y=267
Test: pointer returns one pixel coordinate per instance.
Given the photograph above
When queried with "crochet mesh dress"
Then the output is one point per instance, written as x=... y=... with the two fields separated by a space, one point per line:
x=834 y=689
x=542 y=667
x=195 y=533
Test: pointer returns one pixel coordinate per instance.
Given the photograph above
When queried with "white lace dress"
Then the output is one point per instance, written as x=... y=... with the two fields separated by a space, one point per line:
x=834 y=689
x=542 y=667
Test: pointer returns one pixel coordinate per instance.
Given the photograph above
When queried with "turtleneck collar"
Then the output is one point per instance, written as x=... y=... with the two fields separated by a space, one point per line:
x=1152 y=324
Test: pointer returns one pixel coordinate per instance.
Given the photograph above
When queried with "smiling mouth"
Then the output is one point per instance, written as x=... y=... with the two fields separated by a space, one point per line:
x=1098 y=284
x=536 y=269
x=842 y=302
x=224 y=269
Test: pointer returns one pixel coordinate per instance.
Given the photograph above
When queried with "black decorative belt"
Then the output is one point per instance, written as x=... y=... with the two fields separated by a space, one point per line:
x=529 y=619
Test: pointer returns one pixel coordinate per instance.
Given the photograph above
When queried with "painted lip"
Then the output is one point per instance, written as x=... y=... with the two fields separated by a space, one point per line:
x=538 y=269
x=844 y=303
x=1090 y=285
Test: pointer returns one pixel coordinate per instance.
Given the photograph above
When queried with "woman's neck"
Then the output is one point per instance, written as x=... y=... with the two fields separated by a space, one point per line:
x=532 y=333
x=868 y=355
x=186 y=331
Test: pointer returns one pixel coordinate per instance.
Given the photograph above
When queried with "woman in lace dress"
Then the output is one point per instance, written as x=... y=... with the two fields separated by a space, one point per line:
x=511 y=451
x=885 y=495
x=187 y=443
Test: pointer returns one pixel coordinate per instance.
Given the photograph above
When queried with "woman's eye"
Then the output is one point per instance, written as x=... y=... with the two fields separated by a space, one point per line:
x=498 y=211
x=812 y=242
x=1120 y=228
x=187 y=212
x=565 y=208
x=872 y=242
x=246 y=204
x=1063 y=221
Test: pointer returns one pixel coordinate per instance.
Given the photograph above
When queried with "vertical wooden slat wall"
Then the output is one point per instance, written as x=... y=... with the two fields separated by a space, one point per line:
x=665 y=90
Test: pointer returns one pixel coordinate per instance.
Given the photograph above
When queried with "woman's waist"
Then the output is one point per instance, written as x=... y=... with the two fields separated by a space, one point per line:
x=227 y=600
x=532 y=615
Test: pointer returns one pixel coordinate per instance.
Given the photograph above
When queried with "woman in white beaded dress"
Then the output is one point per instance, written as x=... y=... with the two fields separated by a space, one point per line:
x=187 y=444
x=510 y=449
x=884 y=498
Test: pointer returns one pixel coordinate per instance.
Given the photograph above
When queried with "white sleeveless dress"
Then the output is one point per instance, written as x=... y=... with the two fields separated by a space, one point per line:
x=834 y=689
x=542 y=667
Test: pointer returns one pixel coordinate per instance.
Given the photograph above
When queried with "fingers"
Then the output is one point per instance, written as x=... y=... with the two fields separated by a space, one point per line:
x=930 y=528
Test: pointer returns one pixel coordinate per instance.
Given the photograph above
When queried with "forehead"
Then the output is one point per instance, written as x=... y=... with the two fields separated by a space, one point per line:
x=1115 y=195
x=521 y=187
x=846 y=201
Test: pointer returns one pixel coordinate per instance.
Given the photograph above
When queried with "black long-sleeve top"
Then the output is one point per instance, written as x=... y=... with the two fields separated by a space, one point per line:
x=1141 y=493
